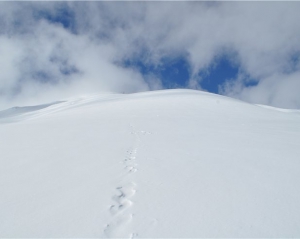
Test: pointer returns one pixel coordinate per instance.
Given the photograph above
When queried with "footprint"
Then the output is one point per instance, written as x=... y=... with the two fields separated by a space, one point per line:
x=133 y=235
x=131 y=169
x=122 y=198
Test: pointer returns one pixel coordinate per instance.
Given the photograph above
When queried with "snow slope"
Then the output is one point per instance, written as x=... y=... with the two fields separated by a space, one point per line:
x=175 y=163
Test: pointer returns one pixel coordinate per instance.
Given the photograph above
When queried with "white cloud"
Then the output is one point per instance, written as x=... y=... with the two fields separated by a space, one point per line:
x=44 y=61
x=261 y=37
x=10 y=55
x=280 y=90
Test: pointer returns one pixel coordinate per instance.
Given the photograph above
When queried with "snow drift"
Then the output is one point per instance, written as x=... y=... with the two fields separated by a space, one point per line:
x=175 y=163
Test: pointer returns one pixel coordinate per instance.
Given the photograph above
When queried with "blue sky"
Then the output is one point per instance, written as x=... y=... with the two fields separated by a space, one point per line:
x=175 y=73
x=52 y=50
x=62 y=15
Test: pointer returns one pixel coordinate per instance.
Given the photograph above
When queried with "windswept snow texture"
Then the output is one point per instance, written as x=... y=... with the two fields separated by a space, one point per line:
x=13 y=113
x=175 y=163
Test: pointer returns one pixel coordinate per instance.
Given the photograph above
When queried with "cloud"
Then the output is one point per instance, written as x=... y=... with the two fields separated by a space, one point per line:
x=42 y=60
x=54 y=49
x=281 y=90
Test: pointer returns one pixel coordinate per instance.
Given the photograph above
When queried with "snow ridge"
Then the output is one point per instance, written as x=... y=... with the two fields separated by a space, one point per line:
x=84 y=168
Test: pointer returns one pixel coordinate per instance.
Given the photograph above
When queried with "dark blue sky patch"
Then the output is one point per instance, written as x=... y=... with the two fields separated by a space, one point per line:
x=173 y=73
x=217 y=74
x=249 y=82
x=294 y=62
x=63 y=16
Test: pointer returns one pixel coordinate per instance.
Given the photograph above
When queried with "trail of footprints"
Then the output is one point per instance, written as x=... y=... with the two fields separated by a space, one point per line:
x=124 y=193
x=118 y=210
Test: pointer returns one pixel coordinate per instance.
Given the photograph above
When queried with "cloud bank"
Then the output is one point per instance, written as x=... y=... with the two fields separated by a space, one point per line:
x=51 y=50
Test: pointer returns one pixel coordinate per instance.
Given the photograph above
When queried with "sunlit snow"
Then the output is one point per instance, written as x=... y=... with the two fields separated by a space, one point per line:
x=174 y=163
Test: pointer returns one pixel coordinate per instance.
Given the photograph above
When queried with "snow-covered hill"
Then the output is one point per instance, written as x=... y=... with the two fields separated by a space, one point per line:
x=175 y=163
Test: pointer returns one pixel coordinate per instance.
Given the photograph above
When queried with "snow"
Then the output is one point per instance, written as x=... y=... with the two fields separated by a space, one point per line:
x=172 y=163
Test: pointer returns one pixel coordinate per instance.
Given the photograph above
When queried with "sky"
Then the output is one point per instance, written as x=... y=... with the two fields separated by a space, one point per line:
x=54 y=50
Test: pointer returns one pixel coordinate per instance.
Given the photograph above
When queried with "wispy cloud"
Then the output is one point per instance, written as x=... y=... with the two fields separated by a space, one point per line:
x=54 y=49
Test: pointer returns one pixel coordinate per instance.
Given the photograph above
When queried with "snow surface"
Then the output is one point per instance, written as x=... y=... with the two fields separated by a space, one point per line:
x=175 y=163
